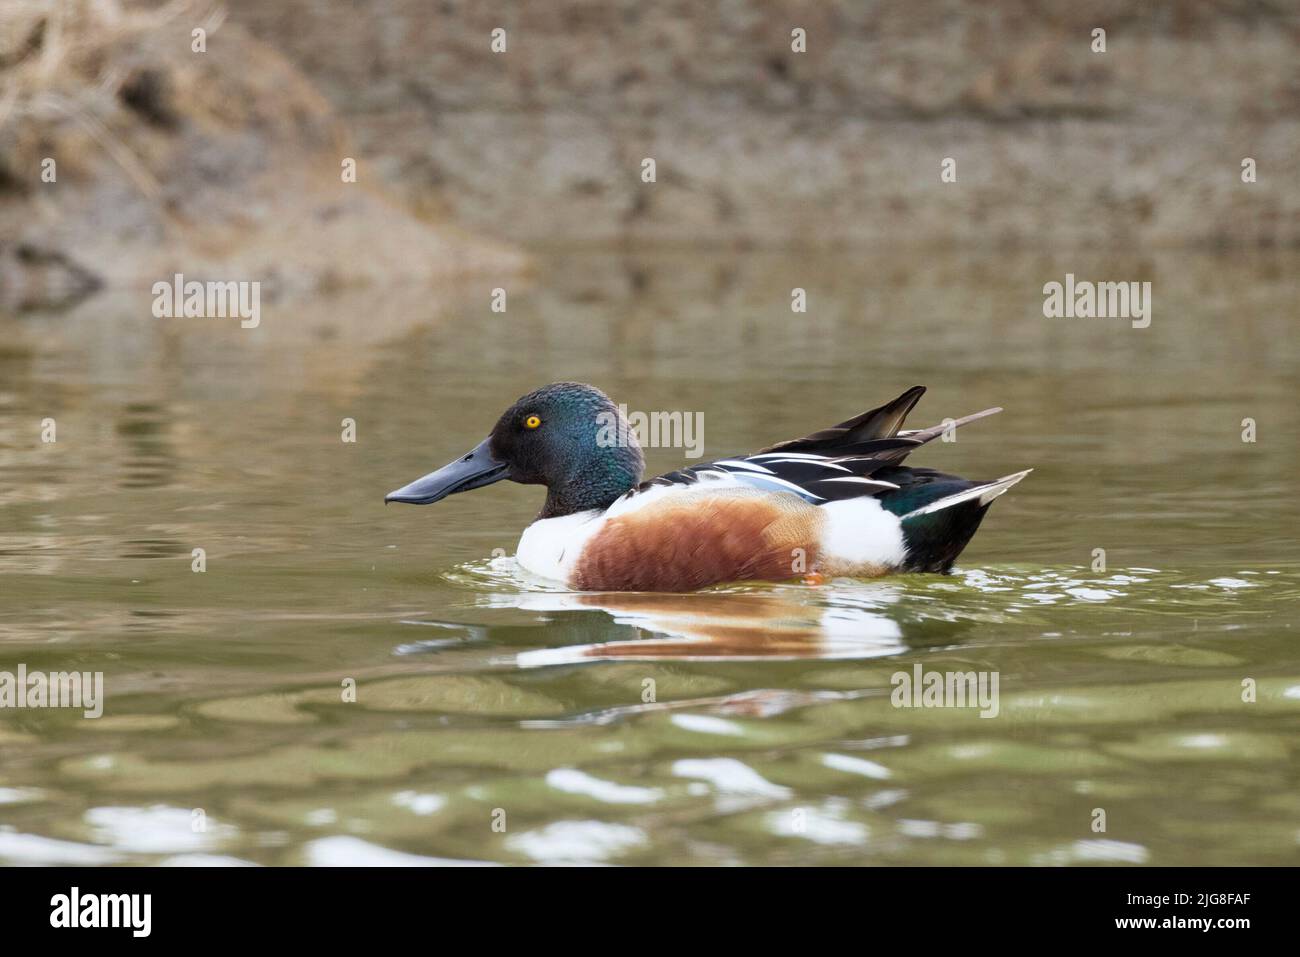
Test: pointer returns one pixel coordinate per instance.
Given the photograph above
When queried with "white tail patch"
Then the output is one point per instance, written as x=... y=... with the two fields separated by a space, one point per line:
x=861 y=537
x=984 y=493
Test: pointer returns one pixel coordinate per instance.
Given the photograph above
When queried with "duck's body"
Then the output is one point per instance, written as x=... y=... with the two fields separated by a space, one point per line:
x=835 y=503
x=680 y=538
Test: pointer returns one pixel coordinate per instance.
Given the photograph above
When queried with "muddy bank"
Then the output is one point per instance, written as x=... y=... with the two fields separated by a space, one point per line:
x=128 y=154
x=227 y=163
x=1141 y=144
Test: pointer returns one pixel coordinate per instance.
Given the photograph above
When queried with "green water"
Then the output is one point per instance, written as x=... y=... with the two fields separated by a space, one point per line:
x=751 y=724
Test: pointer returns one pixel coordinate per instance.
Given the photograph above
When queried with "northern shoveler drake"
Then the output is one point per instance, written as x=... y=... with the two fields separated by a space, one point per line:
x=834 y=503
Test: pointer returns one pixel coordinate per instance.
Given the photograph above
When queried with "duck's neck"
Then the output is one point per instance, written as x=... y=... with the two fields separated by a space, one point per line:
x=594 y=485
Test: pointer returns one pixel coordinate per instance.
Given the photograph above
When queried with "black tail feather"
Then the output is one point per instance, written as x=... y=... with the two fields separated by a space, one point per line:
x=881 y=423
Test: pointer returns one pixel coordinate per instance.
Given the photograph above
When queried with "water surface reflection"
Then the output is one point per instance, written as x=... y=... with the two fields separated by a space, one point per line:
x=654 y=729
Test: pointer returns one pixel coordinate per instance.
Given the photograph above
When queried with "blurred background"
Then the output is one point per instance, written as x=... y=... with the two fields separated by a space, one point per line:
x=465 y=156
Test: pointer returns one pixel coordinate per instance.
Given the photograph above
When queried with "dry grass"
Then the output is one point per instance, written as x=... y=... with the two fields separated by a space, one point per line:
x=225 y=159
x=63 y=68
x=62 y=47
x=84 y=80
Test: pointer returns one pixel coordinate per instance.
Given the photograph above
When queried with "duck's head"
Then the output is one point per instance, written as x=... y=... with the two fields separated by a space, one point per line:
x=567 y=436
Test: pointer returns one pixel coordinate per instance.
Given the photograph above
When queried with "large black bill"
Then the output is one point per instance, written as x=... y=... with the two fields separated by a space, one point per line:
x=472 y=470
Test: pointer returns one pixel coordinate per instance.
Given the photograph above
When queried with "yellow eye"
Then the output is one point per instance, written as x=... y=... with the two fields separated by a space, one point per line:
x=532 y=422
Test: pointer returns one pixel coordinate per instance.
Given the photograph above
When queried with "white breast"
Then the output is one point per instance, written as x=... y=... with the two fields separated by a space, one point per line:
x=550 y=546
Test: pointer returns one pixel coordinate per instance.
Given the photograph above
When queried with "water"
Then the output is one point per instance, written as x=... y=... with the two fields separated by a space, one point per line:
x=500 y=720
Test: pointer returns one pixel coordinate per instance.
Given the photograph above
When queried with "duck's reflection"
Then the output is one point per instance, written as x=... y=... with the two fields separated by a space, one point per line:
x=711 y=626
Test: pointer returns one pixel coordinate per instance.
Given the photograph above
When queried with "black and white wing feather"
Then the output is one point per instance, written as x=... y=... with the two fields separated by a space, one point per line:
x=814 y=478
x=831 y=465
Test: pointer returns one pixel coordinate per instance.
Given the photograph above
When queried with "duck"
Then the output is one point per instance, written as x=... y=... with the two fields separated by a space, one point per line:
x=837 y=503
